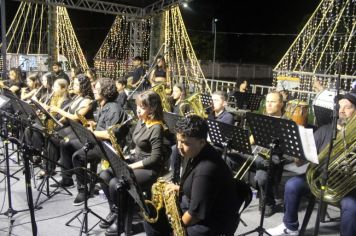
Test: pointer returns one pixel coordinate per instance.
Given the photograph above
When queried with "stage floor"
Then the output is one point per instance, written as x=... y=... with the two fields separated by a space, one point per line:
x=57 y=210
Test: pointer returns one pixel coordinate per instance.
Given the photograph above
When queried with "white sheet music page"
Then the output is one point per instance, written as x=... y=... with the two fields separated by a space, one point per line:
x=308 y=143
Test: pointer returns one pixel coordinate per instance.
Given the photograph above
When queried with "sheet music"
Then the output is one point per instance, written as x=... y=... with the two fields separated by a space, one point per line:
x=308 y=143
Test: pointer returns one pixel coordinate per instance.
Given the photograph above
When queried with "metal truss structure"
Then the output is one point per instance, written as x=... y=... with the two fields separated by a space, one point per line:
x=111 y=7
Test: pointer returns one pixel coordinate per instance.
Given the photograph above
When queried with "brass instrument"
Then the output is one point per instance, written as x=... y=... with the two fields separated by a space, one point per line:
x=161 y=199
x=341 y=169
x=57 y=102
x=82 y=120
x=194 y=104
x=113 y=139
x=160 y=89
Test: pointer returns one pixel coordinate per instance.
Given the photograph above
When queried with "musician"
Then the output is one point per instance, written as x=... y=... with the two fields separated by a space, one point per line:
x=14 y=83
x=150 y=152
x=58 y=72
x=274 y=108
x=177 y=98
x=160 y=73
x=72 y=154
x=74 y=71
x=243 y=86
x=219 y=112
x=121 y=84
x=137 y=74
x=33 y=85
x=91 y=74
x=297 y=187
x=47 y=81
x=207 y=193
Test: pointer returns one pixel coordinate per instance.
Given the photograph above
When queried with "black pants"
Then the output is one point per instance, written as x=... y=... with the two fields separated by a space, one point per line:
x=73 y=159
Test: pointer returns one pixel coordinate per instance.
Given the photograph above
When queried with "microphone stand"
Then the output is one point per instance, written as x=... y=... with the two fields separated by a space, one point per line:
x=148 y=72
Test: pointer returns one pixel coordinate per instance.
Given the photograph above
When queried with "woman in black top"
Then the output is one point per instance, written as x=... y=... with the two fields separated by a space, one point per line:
x=14 y=83
x=150 y=152
x=160 y=74
x=33 y=87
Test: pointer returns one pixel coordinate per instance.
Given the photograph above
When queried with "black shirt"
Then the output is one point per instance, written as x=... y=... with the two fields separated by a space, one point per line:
x=208 y=191
x=111 y=114
x=160 y=72
x=224 y=117
x=121 y=99
x=137 y=74
x=322 y=137
x=149 y=145
x=9 y=83
x=61 y=75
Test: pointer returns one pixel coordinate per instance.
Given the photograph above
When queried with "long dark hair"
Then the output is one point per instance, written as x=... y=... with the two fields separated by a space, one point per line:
x=85 y=86
x=152 y=101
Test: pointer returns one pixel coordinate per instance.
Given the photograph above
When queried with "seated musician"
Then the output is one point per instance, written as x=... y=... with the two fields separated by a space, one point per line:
x=137 y=74
x=121 y=84
x=72 y=154
x=219 y=112
x=274 y=108
x=176 y=98
x=33 y=87
x=58 y=72
x=160 y=73
x=207 y=193
x=47 y=81
x=14 y=83
x=91 y=74
x=58 y=99
x=297 y=187
x=150 y=152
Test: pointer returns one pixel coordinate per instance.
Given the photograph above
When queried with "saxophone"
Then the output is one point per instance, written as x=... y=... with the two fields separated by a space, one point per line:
x=82 y=120
x=341 y=169
x=57 y=102
x=169 y=201
x=194 y=105
x=113 y=139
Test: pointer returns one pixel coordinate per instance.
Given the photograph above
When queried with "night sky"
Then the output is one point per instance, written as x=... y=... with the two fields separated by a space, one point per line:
x=239 y=28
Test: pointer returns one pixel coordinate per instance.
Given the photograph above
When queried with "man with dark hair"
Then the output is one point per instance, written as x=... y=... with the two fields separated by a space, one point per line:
x=137 y=74
x=219 y=112
x=72 y=154
x=121 y=84
x=207 y=190
x=58 y=72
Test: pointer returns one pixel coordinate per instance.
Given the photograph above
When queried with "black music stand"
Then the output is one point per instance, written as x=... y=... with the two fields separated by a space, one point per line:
x=279 y=135
x=127 y=184
x=25 y=152
x=247 y=101
x=41 y=127
x=89 y=141
x=206 y=100
x=229 y=136
x=323 y=115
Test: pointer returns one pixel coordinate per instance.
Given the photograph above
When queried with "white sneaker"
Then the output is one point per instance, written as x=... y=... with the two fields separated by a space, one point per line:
x=281 y=230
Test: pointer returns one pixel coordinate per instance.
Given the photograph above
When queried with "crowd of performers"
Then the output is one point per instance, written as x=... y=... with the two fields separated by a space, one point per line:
x=205 y=188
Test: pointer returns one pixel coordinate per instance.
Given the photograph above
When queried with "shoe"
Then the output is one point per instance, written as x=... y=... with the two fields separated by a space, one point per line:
x=112 y=230
x=80 y=198
x=110 y=220
x=282 y=230
x=63 y=184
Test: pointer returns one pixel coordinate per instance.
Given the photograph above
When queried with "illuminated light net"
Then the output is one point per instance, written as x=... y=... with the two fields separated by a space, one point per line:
x=28 y=34
x=326 y=40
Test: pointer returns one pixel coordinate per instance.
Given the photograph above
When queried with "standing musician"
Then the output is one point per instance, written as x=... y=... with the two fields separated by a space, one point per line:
x=121 y=84
x=160 y=74
x=72 y=154
x=297 y=187
x=58 y=72
x=274 y=108
x=207 y=193
x=14 y=83
x=177 y=98
x=150 y=155
x=33 y=87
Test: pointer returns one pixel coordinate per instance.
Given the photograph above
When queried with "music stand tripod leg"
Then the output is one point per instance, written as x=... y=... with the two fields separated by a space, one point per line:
x=86 y=210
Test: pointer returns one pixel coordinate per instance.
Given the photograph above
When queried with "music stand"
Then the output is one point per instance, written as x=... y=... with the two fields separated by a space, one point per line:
x=254 y=101
x=279 y=135
x=206 y=100
x=229 y=136
x=127 y=184
x=90 y=143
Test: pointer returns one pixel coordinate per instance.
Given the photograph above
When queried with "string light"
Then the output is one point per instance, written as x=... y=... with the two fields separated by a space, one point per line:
x=326 y=39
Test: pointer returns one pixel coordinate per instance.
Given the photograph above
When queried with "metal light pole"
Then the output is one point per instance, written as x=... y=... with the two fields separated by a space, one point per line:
x=214 y=53
x=3 y=38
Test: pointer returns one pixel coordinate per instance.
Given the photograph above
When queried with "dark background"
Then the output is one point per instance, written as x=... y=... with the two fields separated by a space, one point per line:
x=247 y=31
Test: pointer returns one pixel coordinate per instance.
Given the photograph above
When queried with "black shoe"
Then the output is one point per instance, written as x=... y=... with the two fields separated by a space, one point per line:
x=110 y=220
x=63 y=184
x=269 y=210
x=112 y=230
x=79 y=200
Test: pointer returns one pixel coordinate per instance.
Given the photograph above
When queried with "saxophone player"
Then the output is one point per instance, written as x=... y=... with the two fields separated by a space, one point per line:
x=207 y=190
x=150 y=153
x=297 y=187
